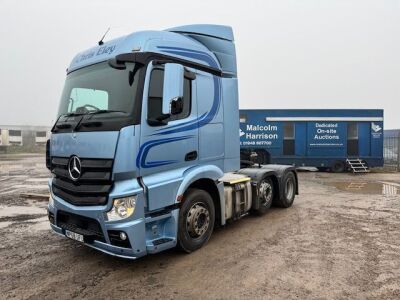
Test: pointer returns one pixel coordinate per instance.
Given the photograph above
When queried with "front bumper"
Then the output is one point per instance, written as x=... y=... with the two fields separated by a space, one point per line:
x=134 y=226
x=126 y=253
x=146 y=234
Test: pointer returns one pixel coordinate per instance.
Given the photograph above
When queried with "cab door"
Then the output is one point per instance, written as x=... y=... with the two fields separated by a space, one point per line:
x=169 y=146
x=352 y=139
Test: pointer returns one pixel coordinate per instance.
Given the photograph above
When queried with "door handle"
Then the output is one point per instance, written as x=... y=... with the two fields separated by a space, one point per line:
x=191 y=156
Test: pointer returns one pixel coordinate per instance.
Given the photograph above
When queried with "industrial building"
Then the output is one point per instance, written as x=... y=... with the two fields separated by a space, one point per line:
x=25 y=137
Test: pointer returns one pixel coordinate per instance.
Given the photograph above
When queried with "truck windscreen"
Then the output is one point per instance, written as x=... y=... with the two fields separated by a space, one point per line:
x=100 y=88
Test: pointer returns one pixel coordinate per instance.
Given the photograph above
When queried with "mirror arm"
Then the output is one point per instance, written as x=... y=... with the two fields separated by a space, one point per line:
x=155 y=122
x=163 y=117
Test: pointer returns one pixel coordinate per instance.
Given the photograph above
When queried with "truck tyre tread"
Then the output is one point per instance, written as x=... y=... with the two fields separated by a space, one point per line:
x=192 y=198
x=287 y=198
x=338 y=166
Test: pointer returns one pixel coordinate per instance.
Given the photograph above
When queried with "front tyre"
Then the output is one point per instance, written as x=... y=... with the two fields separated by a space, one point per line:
x=196 y=220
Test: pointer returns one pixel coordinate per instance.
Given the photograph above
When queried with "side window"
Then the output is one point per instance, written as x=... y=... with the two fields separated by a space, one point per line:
x=288 y=138
x=154 y=107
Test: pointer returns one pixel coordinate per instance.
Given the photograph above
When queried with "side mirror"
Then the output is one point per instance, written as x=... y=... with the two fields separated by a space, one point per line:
x=173 y=87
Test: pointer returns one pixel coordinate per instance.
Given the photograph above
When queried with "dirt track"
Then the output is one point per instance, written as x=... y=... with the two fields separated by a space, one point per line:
x=341 y=239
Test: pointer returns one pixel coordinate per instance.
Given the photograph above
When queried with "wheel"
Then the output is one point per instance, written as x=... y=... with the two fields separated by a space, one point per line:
x=338 y=167
x=196 y=220
x=289 y=190
x=265 y=192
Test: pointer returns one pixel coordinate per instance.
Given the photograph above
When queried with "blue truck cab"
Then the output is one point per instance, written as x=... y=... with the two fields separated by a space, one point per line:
x=145 y=153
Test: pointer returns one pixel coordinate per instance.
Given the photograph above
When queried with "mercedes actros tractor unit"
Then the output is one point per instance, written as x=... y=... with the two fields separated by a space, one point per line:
x=145 y=153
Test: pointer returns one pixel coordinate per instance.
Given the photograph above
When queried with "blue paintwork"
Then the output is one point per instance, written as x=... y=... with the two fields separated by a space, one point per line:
x=145 y=148
x=156 y=155
x=310 y=149
x=85 y=144
x=193 y=54
x=128 y=143
x=221 y=47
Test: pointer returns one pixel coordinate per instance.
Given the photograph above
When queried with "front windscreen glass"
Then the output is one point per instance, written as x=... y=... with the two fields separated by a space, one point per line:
x=100 y=88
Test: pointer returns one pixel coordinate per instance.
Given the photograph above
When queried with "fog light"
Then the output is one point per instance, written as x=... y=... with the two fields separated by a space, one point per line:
x=122 y=208
x=122 y=236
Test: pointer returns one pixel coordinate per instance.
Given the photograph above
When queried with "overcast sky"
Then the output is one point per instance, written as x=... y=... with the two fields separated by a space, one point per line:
x=291 y=54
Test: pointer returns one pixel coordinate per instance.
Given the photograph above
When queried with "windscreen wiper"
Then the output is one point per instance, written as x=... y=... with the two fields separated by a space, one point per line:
x=64 y=125
x=88 y=123
x=103 y=111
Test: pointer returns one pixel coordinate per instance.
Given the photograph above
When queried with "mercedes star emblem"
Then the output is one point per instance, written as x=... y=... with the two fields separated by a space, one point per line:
x=74 y=167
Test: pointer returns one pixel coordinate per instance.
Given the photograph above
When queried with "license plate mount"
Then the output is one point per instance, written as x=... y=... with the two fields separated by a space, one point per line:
x=74 y=236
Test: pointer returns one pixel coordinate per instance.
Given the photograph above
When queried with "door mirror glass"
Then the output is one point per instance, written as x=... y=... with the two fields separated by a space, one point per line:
x=172 y=88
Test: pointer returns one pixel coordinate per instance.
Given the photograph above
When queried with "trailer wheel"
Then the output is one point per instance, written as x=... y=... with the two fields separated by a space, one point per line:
x=265 y=192
x=338 y=166
x=196 y=220
x=289 y=190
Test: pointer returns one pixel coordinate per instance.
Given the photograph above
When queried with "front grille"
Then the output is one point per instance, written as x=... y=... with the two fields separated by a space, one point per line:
x=88 y=227
x=93 y=186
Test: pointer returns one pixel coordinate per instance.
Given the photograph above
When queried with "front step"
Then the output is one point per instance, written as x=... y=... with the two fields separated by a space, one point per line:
x=160 y=244
x=162 y=241
x=357 y=165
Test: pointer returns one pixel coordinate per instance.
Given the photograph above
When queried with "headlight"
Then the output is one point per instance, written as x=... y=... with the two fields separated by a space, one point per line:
x=122 y=208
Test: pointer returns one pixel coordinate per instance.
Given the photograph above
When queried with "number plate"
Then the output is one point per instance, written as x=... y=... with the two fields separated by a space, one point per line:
x=75 y=236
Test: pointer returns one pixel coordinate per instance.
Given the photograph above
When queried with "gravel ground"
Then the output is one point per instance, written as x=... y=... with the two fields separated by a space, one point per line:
x=340 y=240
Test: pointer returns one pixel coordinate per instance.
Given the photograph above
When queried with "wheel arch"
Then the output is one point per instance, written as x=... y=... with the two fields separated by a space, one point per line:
x=205 y=178
x=211 y=188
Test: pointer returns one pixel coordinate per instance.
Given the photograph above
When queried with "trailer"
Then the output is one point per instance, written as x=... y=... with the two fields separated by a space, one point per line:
x=324 y=138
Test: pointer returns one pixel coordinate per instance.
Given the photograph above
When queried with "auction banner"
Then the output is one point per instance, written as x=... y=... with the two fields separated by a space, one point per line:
x=326 y=134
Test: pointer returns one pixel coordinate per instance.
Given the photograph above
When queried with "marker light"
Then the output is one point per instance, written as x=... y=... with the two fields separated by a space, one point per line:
x=122 y=208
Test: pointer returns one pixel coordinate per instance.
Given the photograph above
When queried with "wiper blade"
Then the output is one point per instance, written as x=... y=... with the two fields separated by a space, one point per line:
x=63 y=126
x=103 y=111
x=91 y=124
x=78 y=124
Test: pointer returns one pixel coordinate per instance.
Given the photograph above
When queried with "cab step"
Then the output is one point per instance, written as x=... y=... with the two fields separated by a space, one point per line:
x=160 y=244
x=162 y=241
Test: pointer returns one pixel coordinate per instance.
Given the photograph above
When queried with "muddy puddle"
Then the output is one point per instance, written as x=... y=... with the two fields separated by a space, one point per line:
x=33 y=215
x=371 y=188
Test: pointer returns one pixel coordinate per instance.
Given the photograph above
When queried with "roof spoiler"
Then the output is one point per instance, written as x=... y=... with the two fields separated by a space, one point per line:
x=218 y=39
x=217 y=31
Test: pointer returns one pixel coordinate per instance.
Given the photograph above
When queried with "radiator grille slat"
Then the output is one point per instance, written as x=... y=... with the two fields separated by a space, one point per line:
x=93 y=186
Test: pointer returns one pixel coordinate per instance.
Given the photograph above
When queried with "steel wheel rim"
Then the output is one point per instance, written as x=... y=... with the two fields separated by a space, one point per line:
x=197 y=220
x=265 y=191
x=289 y=189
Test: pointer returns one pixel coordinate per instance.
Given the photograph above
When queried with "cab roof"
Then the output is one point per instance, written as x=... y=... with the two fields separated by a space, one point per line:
x=196 y=39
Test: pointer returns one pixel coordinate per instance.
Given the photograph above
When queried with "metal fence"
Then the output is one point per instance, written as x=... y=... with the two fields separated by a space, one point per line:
x=391 y=154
